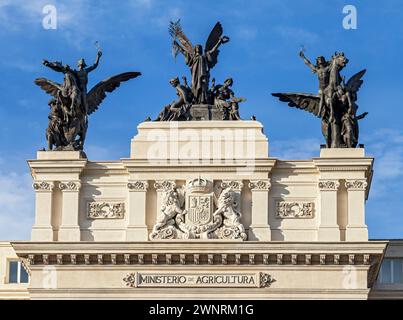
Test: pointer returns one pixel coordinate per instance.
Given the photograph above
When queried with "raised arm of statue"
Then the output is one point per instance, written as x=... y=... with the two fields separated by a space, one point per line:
x=55 y=66
x=95 y=65
x=221 y=41
x=307 y=62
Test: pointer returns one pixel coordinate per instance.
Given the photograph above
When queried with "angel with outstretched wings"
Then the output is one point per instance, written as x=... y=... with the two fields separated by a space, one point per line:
x=200 y=62
x=76 y=103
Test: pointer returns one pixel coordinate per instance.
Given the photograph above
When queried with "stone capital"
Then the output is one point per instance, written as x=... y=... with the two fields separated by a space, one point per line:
x=164 y=185
x=260 y=185
x=70 y=186
x=356 y=185
x=43 y=186
x=235 y=185
x=329 y=185
x=138 y=186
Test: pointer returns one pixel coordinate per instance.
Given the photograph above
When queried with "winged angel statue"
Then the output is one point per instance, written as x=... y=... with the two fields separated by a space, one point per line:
x=72 y=104
x=200 y=62
x=335 y=103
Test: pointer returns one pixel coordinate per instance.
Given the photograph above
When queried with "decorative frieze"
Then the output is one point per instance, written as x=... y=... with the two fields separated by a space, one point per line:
x=294 y=210
x=329 y=185
x=210 y=259
x=70 y=186
x=138 y=186
x=356 y=185
x=113 y=259
x=351 y=259
x=260 y=185
x=251 y=259
x=154 y=258
x=168 y=258
x=234 y=185
x=105 y=210
x=43 y=186
x=198 y=258
x=238 y=259
x=182 y=259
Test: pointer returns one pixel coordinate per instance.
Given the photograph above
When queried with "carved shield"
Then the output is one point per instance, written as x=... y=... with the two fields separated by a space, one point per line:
x=200 y=209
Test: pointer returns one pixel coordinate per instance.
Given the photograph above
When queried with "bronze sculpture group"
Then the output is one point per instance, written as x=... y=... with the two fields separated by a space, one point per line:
x=335 y=102
x=71 y=104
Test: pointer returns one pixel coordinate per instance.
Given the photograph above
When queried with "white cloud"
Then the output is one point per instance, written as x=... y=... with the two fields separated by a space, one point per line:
x=17 y=206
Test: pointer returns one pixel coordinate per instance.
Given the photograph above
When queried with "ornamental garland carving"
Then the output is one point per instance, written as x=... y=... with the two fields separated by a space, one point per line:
x=294 y=210
x=105 y=210
x=329 y=185
x=234 y=185
x=260 y=185
x=164 y=185
x=138 y=185
x=43 y=186
x=356 y=185
x=70 y=186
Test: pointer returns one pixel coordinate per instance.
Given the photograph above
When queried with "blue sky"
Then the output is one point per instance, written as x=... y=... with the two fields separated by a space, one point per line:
x=262 y=57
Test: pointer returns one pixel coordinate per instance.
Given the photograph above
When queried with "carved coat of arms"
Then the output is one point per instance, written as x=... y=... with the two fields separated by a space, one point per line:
x=191 y=212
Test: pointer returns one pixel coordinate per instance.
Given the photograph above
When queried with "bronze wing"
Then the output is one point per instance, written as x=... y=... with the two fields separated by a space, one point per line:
x=212 y=40
x=98 y=93
x=355 y=82
x=49 y=86
x=307 y=102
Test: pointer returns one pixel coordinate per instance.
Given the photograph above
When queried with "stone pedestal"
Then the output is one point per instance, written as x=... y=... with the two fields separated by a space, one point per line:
x=57 y=181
